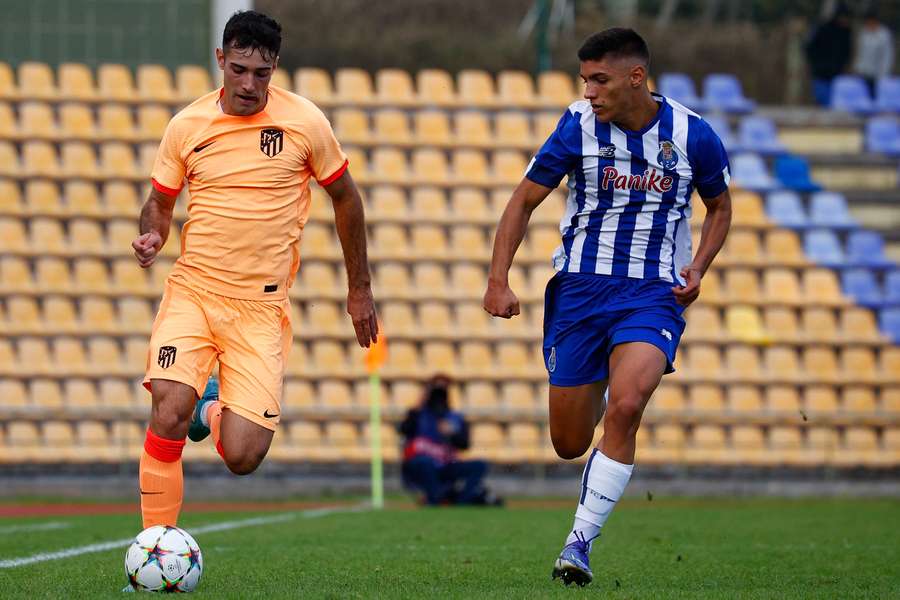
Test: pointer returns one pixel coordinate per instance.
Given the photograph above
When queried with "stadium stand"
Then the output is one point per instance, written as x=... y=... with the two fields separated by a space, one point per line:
x=783 y=362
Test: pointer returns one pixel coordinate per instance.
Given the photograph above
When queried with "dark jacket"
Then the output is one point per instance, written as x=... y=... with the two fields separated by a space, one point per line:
x=828 y=49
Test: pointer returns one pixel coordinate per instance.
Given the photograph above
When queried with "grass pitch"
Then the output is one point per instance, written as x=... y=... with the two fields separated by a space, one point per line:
x=665 y=548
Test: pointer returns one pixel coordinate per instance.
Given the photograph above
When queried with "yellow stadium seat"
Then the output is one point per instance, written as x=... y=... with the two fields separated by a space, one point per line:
x=470 y=167
x=508 y=166
x=87 y=236
x=858 y=364
x=820 y=364
x=353 y=86
x=782 y=364
x=476 y=88
x=281 y=78
x=46 y=235
x=60 y=315
x=329 y=358
x=782 y=247
x=703 y=323
x=748 y=445
x=351 y=125
x=518 y=397
x=434 y=319
x=704 y=362
x=15 y=275
x=439 y=357
x=335 y=395
x=8 y=88
x=889 y=363
x=394 y=87
x=46 y=393
x=36 y=81
x=76 y=82
x=781 y=286
x=22 y=442
x=13 y=393
x=706 y=398
x=555 y=90
x=81 y=199
x=117 y=160
x=858 y=325
x=9 y=160
x=397 y=318
x=191 y=82
x=42 y=198
x=516 y=88
x=430 y=279
x=134 y=315
x=105 y=356
x=314 y=84
x=390 y=240
x=786 y=445
x=91 y=276
x=9 y=127
x=859 y=400
x=10 y=198
x=79 y=160
x=428 y=204
x=668 y=399
x=741 y=285
x=39 y=159
x=76 y=122
x=69 y=356
x=471 y=128
x=97 y=315
x=432 y=128
x=742 y=247
x=744 y=399
x=57 y=443
x=152 y=121
x=435 y=87
x=327 y=319
x=512 y=129
x=706 y=445
x=525 y=442
x=93 y=442
x=120 y=199
x=859 y=447
x=52 y=275
x=468 y=241
x=115 y=83
x=8 y=357
x=820 y=400
x=23 y=315
x=781 y=323
x=79 y=394
x=146 y=158
x=12 y=232
x=429 y=166
x=154 y=83
x=544 y=124
x=819 y=324
x=389 y=166
x=120 y=234
x=392 y=127
x=470 y=205
x=747 y=209
x=516 y=358
x=33 y=356
x=487 y=440
x=387 y=203
x=36 y=121
x=820 y=286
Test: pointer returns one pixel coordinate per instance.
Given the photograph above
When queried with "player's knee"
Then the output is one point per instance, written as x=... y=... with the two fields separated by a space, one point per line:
x=169 y=424
x=569 y=447
x=624 y=411
x=243 y=463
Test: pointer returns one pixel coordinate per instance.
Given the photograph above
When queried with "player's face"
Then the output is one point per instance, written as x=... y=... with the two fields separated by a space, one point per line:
x=246 y=78
x=609 y=85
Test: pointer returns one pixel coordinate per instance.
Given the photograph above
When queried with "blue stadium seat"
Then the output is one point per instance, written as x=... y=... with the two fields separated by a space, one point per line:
x=849 y=93
x=720 y=125
x=861 y=285
x=887 y=94
x=883 y=135
x=759 y=134
x=786 y=208
x=890 y=323
x=680 y=88
x=793 y=172
x=824 y=247
x=750 y=172
x=892 y=288
x=866 y=249
x=829 y=209
x=722 y=91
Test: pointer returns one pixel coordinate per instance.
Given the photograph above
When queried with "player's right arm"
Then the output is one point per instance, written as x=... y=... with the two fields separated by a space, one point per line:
x=499 y=299
x=156 y=218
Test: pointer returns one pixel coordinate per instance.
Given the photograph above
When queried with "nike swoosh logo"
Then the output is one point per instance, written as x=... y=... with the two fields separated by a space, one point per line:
x=268 y=416
x=199 y=148
x=143 y=493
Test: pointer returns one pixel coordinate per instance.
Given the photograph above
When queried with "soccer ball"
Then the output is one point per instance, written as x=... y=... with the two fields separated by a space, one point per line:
x=163 y=559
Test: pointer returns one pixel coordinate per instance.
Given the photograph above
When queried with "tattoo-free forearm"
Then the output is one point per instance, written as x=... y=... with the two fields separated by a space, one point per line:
x=510 y=233
x=350 y=222
x=156 y=215
x=713 y=234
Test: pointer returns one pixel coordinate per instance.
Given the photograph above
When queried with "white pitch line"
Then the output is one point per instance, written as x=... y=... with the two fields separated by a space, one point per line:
x=11 y=563
x=35 y=527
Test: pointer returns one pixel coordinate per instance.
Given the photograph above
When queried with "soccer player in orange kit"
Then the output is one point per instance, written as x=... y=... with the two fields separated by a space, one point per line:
x=248 y=152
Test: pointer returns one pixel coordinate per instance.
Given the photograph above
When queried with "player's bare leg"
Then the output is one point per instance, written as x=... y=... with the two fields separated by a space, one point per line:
x=635 y=371
x=161 y=477
x=574 y=414
x=244 y=444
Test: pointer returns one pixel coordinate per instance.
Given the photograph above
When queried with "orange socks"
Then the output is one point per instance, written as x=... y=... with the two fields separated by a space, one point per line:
x=161 y=480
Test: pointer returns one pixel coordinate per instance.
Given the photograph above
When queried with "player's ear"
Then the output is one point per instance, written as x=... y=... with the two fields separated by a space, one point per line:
x=638 y=75
x=220 y=58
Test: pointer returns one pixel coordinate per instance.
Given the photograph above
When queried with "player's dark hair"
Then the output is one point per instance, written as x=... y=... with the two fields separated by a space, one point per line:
x=251 y=30
x=616 y=41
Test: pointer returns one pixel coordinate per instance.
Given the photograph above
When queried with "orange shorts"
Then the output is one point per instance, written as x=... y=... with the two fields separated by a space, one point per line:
x=251 y=340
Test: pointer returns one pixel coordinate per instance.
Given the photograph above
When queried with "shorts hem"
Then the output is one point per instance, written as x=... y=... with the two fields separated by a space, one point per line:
x=252 y=416
x=624 y=338
x=176 y=378
x=575 y=381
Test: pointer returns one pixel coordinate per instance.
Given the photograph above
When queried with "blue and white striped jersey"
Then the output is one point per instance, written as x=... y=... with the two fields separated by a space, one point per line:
x=628 y=209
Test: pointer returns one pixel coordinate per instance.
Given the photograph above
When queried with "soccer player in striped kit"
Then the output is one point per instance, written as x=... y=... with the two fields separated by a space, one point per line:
x=625 y=273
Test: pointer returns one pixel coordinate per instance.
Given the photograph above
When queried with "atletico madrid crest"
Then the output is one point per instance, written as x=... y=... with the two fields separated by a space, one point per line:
x=271 y=141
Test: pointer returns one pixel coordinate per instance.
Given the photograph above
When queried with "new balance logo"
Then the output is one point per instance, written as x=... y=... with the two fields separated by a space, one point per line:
x=166 y=356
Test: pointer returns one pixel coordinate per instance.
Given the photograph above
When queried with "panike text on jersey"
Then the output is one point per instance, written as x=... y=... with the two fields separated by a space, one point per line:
x=628 y=208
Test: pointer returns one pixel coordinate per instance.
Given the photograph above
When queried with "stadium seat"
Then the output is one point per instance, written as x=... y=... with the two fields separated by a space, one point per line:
x=820 y=364
x=87 y=236
x=191 y=82
x=353 y=87
x=15 y=275
x=759 y=134
x=508 y=167
x=9 y=127
x=819 y=324
x=39 y=159
x=280 y=78
x=429 y=166
x=351 y=126
x=36 y=121
x=554 y=89
x=90 y=276
x=79 y=394
x=723 y=92
x=859 y=448
x=544 y=124
x=9 y=160
x=476 y=88
x=829 y=209
x=120 y=199
x=793 y=172
x=470 y=167
x=703 y=323
x=887 y=94
x=117 y=160
x=439 y=357
x=883 y=135
x=59 y=315
x=748 y=445
x=394 y=87
x=850 y=93
x=429 y=204
x=786 y=445
x=435 y=88
x=512 y=129
x=42 y=198
x=76 y=82
x=860 y=285
x=516 y=89
x=741 y=285
x=781 y=364
x=742 y=363
x=46 y=235
x=36 y=81
x=52 y=274
x=33 y=356
x=820 y=286
x=782 y=247
x=721 y=127
x=743 y=248
x=154 y=83
x=115 y=83
x=892 y=287
x=13 y=393
x=429 y=242
x=750 y=172
x=866 y=249
x=744 y=324
x=391 y=126
x=471 y=128
x=10 y=198
x=824 y=247
x=388 y=203
x=680 y=88
x=23 y=316
x=781 y=323
x=152 y=121
x=432 y=128
x=858 y=364
x=706 y=445
x=744 y=400
x=79 y=160
x=890 y=323
x=76 y=122
x=8 y=88
x=314 y=84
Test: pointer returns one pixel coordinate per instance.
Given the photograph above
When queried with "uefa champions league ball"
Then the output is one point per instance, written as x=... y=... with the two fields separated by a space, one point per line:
x=163 y=559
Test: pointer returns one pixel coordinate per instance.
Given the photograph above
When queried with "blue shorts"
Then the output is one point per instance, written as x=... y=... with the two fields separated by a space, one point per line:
x=587 y=315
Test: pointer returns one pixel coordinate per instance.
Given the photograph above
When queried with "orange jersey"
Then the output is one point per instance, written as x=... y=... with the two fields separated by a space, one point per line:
x=248 y=179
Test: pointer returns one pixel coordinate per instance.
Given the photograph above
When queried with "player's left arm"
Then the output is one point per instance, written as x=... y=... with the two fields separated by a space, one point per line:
x=712 y=237
x=350 y=221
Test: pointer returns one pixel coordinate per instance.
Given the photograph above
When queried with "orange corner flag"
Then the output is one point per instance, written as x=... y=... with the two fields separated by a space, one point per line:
x=377 y=353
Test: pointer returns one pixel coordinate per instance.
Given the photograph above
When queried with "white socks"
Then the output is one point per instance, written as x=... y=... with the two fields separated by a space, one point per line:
x=602 y=485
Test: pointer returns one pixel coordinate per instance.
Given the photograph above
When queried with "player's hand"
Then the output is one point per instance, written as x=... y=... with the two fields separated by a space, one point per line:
x=146 y=247
x=687 y=293
x=361 y=308
x=500 y=301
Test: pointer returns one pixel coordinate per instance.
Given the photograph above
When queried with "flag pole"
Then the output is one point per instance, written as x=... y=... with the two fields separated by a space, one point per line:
x=377 y=473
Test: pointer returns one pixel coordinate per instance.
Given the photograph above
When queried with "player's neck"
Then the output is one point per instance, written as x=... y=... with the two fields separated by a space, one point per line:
x=640 y=115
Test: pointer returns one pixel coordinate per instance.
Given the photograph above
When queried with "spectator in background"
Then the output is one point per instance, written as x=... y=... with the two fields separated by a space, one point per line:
x=874 y=50
x=433 y=434
x=828 y=52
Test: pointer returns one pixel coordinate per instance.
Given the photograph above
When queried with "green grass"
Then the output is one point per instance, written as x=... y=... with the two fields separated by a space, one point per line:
x=680 y=548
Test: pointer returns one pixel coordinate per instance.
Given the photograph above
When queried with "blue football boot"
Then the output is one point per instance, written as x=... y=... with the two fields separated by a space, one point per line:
x=198 y=430
x=573 y=565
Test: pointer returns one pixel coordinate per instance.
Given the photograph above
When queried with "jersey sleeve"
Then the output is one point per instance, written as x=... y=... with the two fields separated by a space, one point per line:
x=168 y=168
x=708 y=159
x=327 y=160
x=559 y=154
